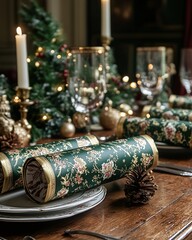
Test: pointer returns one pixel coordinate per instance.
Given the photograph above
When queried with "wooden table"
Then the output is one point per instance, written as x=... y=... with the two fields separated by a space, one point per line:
x=168 y=215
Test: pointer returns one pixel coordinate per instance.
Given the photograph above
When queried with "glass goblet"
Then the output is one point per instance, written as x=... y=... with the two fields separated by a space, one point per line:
x=87 y=79
x=186 y=69
x=151 y=85
x=151 y=65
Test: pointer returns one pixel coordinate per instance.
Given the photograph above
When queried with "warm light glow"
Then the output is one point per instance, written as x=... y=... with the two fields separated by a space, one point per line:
x=139 y=82
x=40 y=49
x=37 y=64
x=58 y=56
x=100 y=51
x=60 y=88
x=117 y=91
x=19 y=31
x=124 y=107
x=147 y=115
x=100 y=68
x=125 y=79
x=122 y=114
x=133 y=85
x=16 y=99
x=28 y=60
x=108 y=68
x=138 y=75
x=52 y=51
x=150 y=66
x=44 y=118
x=53 y=40
x=130 y=112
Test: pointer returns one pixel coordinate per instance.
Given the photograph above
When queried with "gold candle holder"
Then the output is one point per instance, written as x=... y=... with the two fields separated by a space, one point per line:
x=22 y=98
x=106 y=41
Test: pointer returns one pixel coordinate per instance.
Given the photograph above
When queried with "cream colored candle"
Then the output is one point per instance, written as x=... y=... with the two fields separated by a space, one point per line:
x=105 y=18
x=22 y=65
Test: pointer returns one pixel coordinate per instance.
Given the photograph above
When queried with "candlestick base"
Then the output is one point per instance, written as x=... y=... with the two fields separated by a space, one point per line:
x=106 y=41
x=22 y=98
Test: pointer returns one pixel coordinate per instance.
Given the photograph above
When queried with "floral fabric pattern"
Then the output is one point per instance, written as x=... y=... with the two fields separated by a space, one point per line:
x=171 y=113
x=184 y=102
x=88 y=167
x=161 y=130
x=17 y=157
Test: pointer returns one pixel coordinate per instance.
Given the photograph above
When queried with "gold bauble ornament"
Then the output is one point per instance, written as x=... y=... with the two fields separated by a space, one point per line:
x=67 y=129
x=109 y=117
x=79 y=120
x=6 y=122
x=23 y=135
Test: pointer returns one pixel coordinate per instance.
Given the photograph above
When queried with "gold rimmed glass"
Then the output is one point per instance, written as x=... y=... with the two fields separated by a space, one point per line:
x=186 y=69
x=151 y=69
x=87 y=79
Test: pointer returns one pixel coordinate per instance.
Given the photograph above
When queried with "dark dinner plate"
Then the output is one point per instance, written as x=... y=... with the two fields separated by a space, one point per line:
x=173 y=151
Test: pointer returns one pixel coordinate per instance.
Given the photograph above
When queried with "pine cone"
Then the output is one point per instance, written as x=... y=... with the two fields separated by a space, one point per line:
x=140 y=186
x=8 y=141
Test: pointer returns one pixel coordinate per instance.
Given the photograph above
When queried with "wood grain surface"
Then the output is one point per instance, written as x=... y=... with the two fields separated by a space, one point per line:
x=168 y=215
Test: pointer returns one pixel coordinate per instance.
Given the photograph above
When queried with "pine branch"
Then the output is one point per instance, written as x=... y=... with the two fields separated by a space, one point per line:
x=44 y=30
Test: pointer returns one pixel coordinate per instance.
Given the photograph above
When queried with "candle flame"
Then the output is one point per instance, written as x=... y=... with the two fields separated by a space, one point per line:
x=19 y=31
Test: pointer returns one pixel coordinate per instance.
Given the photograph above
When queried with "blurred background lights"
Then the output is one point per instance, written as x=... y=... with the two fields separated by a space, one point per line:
x=125 y=79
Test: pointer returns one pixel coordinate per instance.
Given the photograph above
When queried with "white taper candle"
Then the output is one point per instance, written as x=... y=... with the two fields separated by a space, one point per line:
x=105 y=18
x=22 y=65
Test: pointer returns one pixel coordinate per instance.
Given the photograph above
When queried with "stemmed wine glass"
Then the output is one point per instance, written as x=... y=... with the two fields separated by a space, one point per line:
x=151 y=65
x=186 y=69
x=87 y=79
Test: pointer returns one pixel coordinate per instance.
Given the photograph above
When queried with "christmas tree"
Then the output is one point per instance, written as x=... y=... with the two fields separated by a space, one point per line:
x=48 y=72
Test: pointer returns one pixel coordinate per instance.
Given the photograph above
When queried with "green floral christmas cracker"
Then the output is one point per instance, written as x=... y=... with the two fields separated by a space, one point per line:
x=176 y=101
x=161 y=130
x=57 y=175
x=11 y=161
x=167 y=113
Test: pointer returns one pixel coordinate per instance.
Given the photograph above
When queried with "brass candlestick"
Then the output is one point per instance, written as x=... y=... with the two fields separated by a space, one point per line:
x=106 y=41
x=22 y=98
